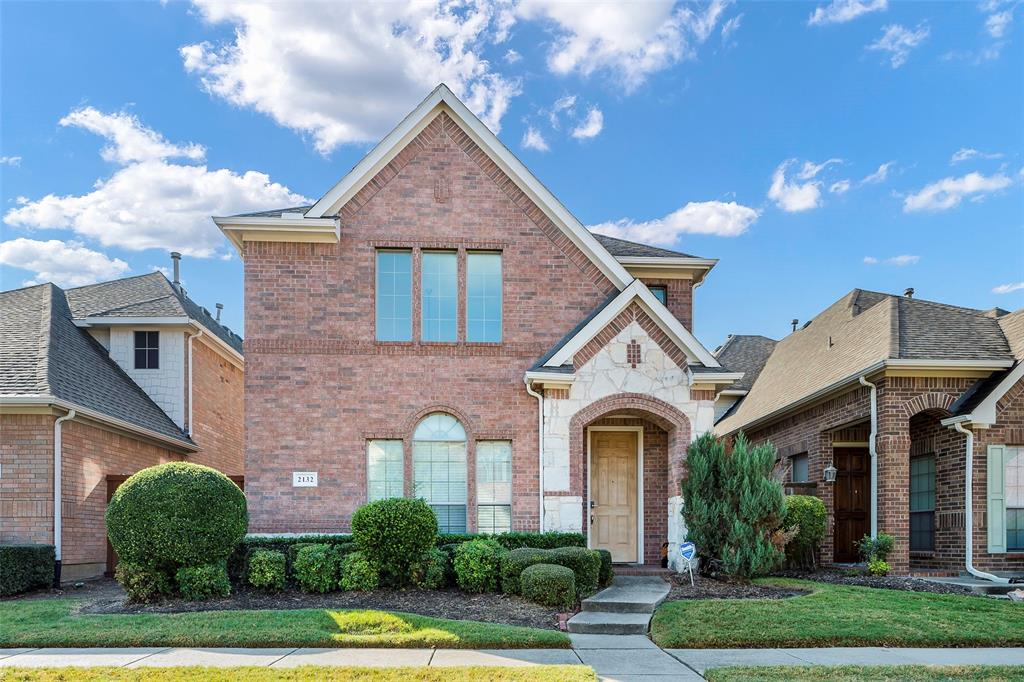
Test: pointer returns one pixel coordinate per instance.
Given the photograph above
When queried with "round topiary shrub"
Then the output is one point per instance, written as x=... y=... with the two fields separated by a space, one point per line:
x=393 y=534
x=176 y=514
x=550 y=585
x=206 y=581
x=317 y=568
x=478 y=565
x=515 y=562
x=143 y=584
x=584 y=563
x=267 y=569
x=431 y=571
x=358 y=573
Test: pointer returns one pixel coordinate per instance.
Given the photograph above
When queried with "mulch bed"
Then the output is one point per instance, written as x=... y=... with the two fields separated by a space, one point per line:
x=106 y=596
x=839 y=577
x=711 y=588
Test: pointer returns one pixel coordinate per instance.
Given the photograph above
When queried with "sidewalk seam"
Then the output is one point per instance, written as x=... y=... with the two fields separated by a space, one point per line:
x=276 y=660
x=142 y=658
x=687 y=665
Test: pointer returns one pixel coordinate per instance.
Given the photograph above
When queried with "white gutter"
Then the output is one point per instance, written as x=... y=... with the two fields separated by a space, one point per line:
x=969 y=510
x=874 y=455
x=540 y=449
x=58 y=529
x=191 y=375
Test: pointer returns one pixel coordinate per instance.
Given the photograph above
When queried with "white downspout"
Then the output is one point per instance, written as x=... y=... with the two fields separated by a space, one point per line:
x=874 y=455
x=540 y=449
x=969 y=510
x=58 y=526
x=191 y=369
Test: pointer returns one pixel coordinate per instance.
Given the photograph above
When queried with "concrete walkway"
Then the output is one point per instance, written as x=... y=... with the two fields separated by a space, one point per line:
x=624 y=608
x=616 y=658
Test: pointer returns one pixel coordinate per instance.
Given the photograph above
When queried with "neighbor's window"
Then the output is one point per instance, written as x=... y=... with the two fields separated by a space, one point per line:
x=440 y=292
x=799 y=464
x=147 y=350
x=1014 y=486
x=494 y=486
x=439 y=469
x=660 y=292
x=394 y=296
x=922 y=504
x=483 y=297
x=385 y=469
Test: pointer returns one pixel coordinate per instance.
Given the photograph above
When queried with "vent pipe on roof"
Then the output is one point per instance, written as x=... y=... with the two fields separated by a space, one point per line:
x=909 y=292
x=176 y=262
x=219 y=307
x=794 y=322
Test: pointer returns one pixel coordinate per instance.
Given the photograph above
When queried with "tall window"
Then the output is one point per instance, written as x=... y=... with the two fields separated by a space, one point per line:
x=483 y=297
x=494 y=486
x=660 y=292
x=147 y=350
x=385 y=469
x=922 y=503
x=440 y=292
x=1014 y=487
x=394 y=295
x=439 y=469
x=799 y=464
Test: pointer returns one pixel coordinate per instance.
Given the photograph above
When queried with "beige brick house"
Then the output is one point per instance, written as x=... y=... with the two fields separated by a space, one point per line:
x=439 y=325
x=886 y=407
x=96 y=383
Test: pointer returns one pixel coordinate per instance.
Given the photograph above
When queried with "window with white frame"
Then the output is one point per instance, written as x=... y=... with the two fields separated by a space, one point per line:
x=147 y=350
x=385 y=469
x=394 y=295
x=1013 y=482
x=439 y=295
x=494 y=486
x=483 y=297
x=439 y=469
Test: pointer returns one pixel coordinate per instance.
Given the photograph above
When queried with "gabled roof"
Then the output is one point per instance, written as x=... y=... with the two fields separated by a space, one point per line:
x=745 y=353
x=43 y=354
x=861 y=331
x=621 y=248
x=149 y=295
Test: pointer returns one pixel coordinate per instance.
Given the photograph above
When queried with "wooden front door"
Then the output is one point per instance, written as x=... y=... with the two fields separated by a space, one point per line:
x=852 y=504
x=613 y=493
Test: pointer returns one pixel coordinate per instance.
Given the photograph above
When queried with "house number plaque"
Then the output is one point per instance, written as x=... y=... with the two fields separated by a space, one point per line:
x=304 y=479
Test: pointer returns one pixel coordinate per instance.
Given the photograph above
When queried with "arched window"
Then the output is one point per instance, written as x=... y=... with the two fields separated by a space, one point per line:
x=439 y=469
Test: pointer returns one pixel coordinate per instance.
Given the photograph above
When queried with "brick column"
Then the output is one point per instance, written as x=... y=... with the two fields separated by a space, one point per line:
x=893 y=452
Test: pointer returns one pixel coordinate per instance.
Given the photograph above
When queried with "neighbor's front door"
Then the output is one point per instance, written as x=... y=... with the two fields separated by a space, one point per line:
x=851 y=504
x=613 y=494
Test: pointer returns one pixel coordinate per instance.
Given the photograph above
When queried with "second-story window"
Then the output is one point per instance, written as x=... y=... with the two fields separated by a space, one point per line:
x=439 y=296
x=394 y=295
x=147 y=350
x=483 y=297
x=660 y=292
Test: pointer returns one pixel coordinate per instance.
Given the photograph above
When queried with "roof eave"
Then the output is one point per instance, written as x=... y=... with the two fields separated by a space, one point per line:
x=240 y=229
x=984 y=414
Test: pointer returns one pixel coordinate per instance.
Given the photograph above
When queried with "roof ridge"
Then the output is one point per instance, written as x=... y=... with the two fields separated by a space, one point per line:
x=130 y=305
x=923 y=300
x=46 y=338
x=119 y=279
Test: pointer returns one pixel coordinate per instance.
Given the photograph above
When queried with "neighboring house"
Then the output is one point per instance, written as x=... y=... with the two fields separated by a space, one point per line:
x=102 y=381
x=439 y=325
x=929 y=386
x=741 y=353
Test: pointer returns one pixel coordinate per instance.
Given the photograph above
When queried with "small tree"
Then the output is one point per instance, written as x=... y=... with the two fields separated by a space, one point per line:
x=732 y=505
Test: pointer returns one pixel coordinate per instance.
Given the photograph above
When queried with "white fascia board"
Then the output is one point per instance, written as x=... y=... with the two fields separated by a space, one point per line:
x=96 y=416
x=668 y=262
x=733 y=391
x=121 y=321
x=443 y=99
x=985 y=412
x=992 y=364
x=679 y=334
x=236 y=228
x=716 y=377
x=551 y=377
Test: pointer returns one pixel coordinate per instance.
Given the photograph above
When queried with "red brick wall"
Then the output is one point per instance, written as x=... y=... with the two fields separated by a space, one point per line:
x=679 y=293
x=26 y=491
x=218 y=390
x=317 y=383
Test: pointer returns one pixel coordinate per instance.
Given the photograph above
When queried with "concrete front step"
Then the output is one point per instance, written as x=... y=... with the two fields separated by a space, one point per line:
x=629 y=595
x=977 y=585
x=602 y=623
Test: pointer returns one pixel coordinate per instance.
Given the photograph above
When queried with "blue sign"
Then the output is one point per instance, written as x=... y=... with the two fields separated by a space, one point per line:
x=688 y=550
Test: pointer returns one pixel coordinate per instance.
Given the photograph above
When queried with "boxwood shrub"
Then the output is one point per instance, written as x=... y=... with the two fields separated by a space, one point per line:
x=584 y=563
x=25 y=567
x=207 y=581
x=607 y=571
x=267 y=569
x=517 y=539
x=432 y=570
x=808 y=513
x=478 y=565
x=287 y=545
x=393 y=534
x=176 y=514
x=515 y=562
x=143 y=584
x=317 y=568
x=359 y=573
x=550 y=585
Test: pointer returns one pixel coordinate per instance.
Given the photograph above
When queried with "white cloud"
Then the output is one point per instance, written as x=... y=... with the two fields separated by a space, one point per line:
x=967 y=153
x=811 y=170
x=152 y=203
x=730 y=27
x=630 y=40
x=949 y=192
x=533 y=139
x=839 y=187
x=897 y=261
x=129 y=139
x=841 y=11
x=705 y=217
x=793 y=196
x=591 y=126
x=898 y=41
x=68 y=264
x=346 y=72
x=10 y=160
x=879 y=175
x=1008 y=288
x=511 y=57
x=996 y=24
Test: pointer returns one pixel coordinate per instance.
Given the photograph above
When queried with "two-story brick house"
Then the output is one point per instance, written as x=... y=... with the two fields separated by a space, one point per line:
x=439 y=325
x=98 y=382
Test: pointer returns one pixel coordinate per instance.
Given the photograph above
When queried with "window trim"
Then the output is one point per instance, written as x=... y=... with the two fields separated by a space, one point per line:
x=147 y=348
x=376 y=294
x=792 y=468
x=922 y=512
x=465 y=443
x=1011 y=453
x=660 y=287
x=401 y=462
x=493 y=504
x=501 y=296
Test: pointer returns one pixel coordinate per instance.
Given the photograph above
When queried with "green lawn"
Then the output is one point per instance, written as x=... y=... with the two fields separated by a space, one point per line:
x=543 y=673
x=836 y=615
x=51 y=623
x=852 y=673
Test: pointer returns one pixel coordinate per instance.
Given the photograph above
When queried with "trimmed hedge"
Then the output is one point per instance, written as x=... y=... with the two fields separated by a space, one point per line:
x=359 y=573
x=607 y=571
x=584 y=563
x=432 y=569
x=515 y=562
x=25 y=567
x=286 y=545
x=207 y=581
x=550 y=585
x=317 y=568
x=477 y=565
x=518 y=539
x=267 y=569
x=176 y=514
x=143 y=584
x=393 y=534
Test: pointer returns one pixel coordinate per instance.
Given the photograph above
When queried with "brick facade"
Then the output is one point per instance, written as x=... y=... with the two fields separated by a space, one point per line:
x=679 y=297
x=218 y=391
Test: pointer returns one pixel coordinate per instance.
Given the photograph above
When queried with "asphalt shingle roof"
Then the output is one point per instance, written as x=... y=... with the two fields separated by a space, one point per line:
x=620 y=248
x=43 y=353
x=747 y=354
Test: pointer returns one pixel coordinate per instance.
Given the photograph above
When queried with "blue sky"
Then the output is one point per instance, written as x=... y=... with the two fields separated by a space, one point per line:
x=811 y=147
